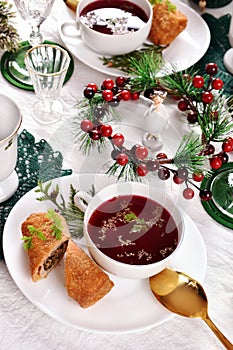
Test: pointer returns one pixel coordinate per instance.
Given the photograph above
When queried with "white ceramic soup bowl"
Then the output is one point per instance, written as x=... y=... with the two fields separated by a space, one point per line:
x=109 y=44
x=116 y=267
x=10 y=122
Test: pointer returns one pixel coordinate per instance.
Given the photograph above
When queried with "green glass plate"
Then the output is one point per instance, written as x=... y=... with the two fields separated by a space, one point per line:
x=14 y=71
x=220 y=207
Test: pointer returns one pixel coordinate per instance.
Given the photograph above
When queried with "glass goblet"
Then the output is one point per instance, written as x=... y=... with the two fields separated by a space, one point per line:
x=47 y=66
x=34 y=12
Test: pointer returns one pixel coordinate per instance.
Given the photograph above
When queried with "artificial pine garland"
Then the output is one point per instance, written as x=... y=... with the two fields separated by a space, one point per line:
x=199 y=99
x=9 y=38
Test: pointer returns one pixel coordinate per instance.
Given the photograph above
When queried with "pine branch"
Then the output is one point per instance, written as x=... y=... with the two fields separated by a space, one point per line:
x=145 y=71
x=123 y=62
x=189 y=154
x=9 y=38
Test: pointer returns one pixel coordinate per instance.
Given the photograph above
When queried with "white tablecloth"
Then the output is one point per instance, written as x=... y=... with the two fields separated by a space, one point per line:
x=23 y=326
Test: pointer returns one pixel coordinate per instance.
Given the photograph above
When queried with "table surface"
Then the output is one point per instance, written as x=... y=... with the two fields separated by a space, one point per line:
x=24 y=326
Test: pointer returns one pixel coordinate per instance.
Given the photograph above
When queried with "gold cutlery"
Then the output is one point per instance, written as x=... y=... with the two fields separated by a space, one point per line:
x=184 y=296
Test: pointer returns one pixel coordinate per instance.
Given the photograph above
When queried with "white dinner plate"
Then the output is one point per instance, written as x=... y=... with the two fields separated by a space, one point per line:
x=130 y=305
x=187 y=49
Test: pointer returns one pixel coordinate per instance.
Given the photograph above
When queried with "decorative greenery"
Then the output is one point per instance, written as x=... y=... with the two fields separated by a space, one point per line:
x=73 y=215
x=200 y=100
x=9 y=38
x=123 y=62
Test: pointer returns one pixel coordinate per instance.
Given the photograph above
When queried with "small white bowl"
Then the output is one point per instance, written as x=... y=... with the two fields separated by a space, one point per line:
x=110 y=44
x=129 y=188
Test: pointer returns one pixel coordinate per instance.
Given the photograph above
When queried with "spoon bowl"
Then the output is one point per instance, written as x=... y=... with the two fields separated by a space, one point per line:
x=184 y=296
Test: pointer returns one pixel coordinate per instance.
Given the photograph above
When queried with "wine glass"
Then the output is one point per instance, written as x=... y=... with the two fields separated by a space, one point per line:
x=34 y=12
x=47 y=66
x=155 y=120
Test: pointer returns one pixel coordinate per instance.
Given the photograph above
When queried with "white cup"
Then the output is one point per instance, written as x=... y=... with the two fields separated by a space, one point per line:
x=10 y=122
x=105 y=43
x=130 y=188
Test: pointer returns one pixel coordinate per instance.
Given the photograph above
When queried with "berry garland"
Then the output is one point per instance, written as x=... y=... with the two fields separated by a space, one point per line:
x=199 y=99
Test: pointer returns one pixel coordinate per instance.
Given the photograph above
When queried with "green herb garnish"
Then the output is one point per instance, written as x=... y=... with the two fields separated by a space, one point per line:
x=57 y=226
x=170 y=5
x=140 y=224
x=28 y=239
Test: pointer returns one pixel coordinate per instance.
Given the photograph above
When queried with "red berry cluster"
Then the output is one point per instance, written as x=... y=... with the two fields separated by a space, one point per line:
x=206 y=94
x=111 y=91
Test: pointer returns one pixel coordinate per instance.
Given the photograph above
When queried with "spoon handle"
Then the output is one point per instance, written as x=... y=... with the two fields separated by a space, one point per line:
x=228 y=345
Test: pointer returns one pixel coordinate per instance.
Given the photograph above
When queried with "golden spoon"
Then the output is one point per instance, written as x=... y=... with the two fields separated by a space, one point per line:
x=183 y=295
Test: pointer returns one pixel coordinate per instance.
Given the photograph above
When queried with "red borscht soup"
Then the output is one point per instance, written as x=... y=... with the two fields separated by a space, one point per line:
x=133 y=229
x=113 y=16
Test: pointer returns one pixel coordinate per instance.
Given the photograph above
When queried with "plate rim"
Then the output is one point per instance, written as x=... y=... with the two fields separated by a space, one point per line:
x=43 y=308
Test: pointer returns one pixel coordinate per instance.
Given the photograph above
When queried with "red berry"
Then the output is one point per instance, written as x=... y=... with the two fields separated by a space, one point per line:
x=177 y=180
x=86 y=125
x=107 y=95
x=187 y=76
x=215 y=162
x=95 y=134
x=163 y=174
x=205 y=194
x=120 y=81
x=217 y=84
x=210 y=149
x=118 y=139
x=182 y=173
x=125 y=95
x=211 y=68
x=207 y=97
x=134 y=96
x=192 y=117
x=198 y=81
x=122 y=158
x=188 y=193
x=182 y=105
x=88 y=92
x=227 y=146
x=152 y=164
x=198 y=177
x=142 y=169
x=224 y=157
x=93 y=86
x=108 y=84
x=106 y=130
x=114 y=153
x=141 y=152
x=161 y=156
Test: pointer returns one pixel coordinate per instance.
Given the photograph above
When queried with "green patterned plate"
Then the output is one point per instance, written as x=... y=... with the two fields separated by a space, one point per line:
x=14 y=71
x=220 y=207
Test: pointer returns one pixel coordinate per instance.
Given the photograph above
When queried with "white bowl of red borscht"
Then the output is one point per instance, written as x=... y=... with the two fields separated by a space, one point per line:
x=132 y=230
